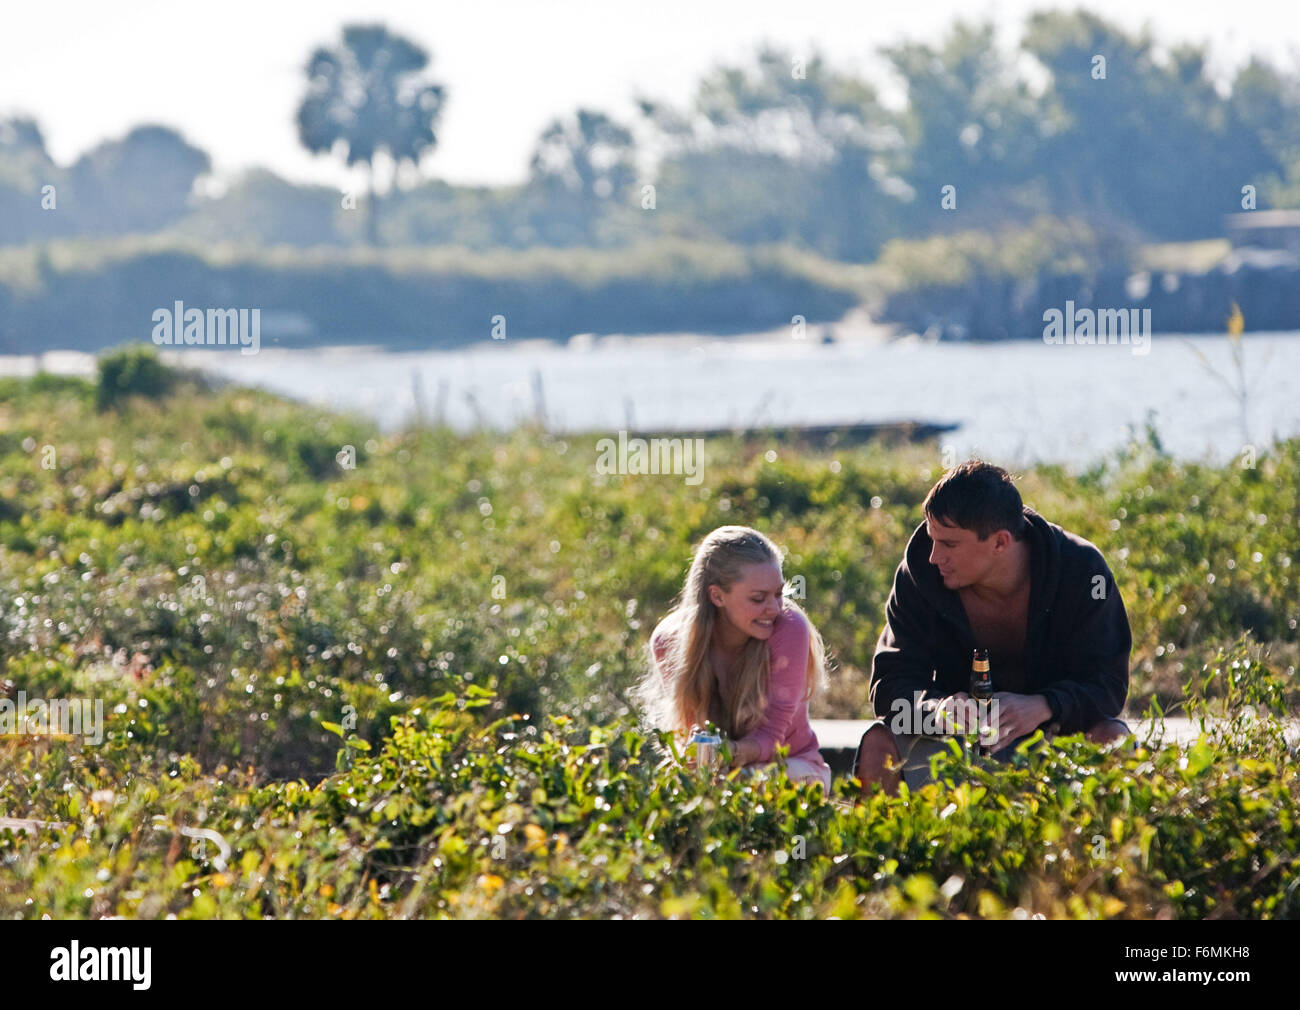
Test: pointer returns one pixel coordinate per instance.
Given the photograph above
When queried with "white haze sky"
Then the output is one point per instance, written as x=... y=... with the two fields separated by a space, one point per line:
x=228 y=75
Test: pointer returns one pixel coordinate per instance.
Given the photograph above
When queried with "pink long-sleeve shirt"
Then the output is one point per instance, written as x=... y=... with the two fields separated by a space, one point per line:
x=786 y=719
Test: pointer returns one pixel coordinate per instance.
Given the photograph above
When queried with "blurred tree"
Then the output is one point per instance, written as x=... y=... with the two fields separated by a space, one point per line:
x=22 y=150
x=800 y=108
x=784 y=149
x=260 y=208
x=1153 y=142
x=140 y=183
x=580 y=167
x=1282 y=192
x=367 y=97
x=438 y=213
x=25 y=168
x=971 y=123
x=1265 y=106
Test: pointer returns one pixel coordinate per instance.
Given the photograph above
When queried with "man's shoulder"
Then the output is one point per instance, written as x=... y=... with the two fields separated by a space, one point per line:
x=1077 y=574
x=1073 y=551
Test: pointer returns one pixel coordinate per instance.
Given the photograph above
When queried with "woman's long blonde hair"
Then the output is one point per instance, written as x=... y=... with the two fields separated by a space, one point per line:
x=681 y=690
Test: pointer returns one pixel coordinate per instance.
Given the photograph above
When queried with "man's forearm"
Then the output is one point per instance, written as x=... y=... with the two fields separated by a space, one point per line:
x=1082 y=702
x=1038 y=710
x=1017 y=715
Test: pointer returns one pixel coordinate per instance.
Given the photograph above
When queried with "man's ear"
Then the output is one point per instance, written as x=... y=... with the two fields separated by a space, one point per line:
x=1001 y=540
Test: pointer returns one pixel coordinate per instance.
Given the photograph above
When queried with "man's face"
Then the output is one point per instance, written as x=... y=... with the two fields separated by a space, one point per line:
x=963 y=559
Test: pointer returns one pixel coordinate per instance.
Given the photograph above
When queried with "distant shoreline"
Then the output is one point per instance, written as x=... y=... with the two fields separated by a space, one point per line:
x=855 y=328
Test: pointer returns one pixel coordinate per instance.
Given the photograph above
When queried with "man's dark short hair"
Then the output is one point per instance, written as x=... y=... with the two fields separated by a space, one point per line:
x=977 y=496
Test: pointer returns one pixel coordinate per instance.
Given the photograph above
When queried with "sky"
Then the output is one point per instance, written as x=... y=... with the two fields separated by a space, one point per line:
x=229 y=75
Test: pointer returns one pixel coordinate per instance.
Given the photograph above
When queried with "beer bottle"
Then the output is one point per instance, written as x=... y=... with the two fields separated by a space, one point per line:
x=981 y=689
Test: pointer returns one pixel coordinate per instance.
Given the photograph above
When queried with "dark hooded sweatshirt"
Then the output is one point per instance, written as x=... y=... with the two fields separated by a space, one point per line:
x=1077 y=640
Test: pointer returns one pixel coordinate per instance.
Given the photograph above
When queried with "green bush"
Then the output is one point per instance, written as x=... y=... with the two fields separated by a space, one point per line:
x=1048 y=245
x=132 y=371
x=458 y=814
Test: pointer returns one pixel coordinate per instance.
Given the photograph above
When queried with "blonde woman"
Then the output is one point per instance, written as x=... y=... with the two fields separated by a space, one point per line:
x=736 y=652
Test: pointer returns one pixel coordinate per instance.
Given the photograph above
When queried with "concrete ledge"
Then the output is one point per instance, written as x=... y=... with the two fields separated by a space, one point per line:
x=838 y=738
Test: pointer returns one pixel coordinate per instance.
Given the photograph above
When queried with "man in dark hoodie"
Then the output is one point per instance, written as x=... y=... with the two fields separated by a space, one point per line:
x=984 y=571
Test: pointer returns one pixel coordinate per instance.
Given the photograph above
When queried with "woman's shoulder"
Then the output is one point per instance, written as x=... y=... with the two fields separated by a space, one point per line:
x=663 y=633
x=789 y=644
x=791 y=622
x=792 y=629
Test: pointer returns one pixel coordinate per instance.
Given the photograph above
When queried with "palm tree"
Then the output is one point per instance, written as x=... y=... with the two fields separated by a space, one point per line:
x=367 y=95
x=583 y=165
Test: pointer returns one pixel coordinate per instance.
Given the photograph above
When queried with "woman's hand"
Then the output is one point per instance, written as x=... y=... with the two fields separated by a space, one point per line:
x=743 y=752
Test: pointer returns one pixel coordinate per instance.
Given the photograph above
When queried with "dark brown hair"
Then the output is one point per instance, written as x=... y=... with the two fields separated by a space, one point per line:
x=977 y=496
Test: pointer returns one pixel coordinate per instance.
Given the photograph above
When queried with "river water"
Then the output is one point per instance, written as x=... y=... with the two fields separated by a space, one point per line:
x=1015 y=402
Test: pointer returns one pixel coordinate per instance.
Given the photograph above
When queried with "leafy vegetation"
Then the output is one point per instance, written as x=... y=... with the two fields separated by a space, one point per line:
x=416 y=297
x=460 y=815
x=400 y=688
x=133 y=371
x=1047 y=245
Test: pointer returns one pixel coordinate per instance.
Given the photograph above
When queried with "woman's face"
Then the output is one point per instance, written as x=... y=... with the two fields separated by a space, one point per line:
x=754 y=600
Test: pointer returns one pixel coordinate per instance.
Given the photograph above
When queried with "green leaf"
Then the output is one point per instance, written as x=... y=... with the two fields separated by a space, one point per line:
x=1198 y=758
x=1144 y=844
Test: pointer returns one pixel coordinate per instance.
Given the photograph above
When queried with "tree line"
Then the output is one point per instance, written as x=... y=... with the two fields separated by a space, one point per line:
x=1098 y=123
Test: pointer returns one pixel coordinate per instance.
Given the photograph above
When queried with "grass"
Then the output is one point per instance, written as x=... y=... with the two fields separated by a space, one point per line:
x=661 y=258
